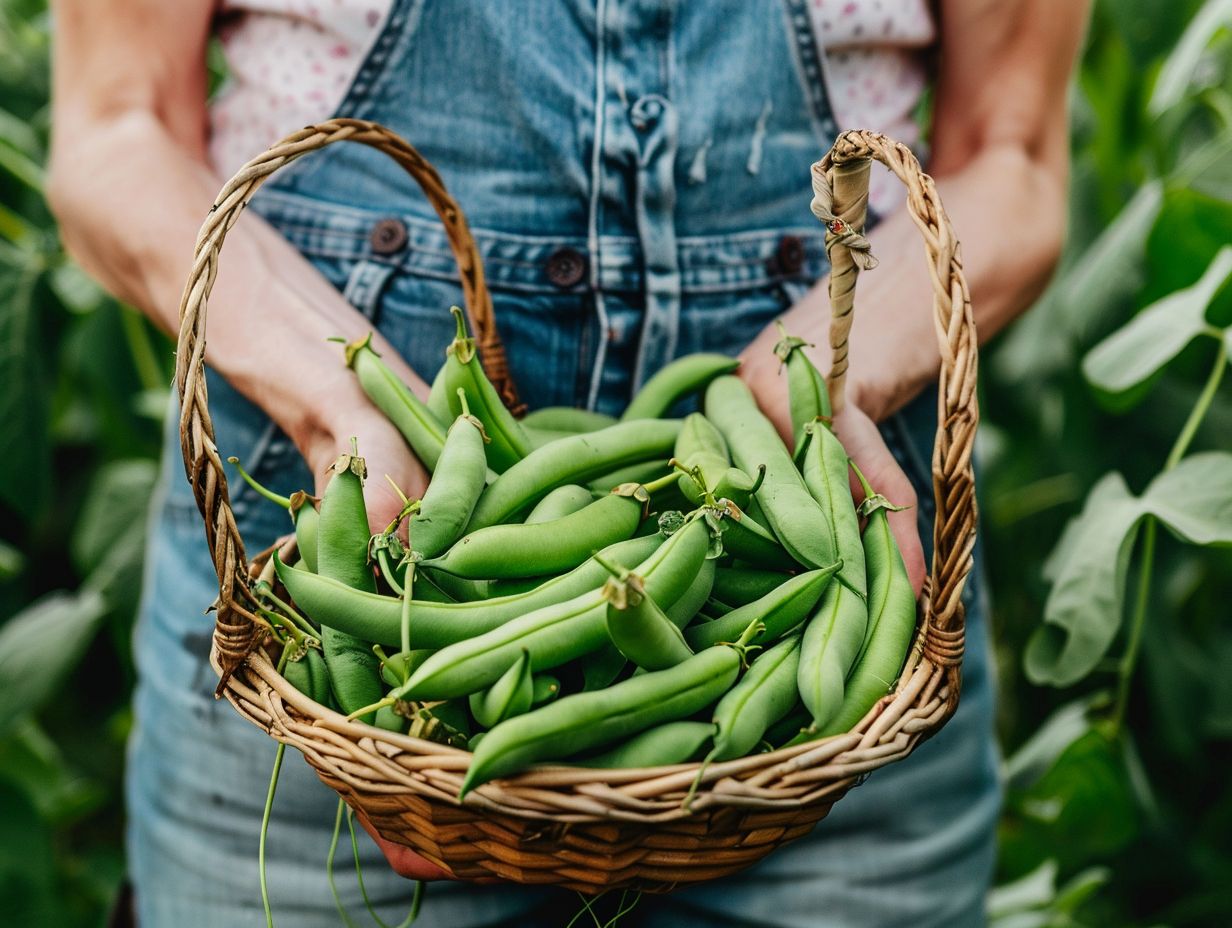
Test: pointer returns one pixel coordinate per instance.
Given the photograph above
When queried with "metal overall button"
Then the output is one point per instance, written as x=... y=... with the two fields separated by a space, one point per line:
x=566 y=268
x=388 y=236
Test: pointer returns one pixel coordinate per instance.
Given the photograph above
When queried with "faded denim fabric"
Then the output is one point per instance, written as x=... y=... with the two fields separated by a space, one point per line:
x=636 y=176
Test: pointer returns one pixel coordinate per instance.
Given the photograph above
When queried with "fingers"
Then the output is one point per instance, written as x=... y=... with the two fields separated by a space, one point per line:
x=864 y=444
x=405 y=862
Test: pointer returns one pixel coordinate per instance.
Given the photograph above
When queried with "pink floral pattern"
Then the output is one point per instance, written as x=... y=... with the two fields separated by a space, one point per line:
x=291 y=62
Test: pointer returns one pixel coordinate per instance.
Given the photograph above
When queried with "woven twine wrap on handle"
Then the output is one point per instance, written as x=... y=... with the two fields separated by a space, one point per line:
x=235 y=633
x=583 y=829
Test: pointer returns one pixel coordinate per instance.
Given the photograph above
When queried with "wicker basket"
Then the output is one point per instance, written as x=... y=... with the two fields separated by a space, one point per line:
x=595 y=830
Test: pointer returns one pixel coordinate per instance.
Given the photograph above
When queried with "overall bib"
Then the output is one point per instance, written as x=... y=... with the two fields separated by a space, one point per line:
x=636 y=174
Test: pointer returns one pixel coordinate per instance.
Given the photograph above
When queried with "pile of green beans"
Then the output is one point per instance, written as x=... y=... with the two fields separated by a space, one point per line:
x=578 y=589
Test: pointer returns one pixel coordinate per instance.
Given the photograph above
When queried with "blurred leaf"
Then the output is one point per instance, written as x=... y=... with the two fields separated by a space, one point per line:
x=17 y=132
x=1033 y=759
x=30 y=760
x=38 y=648
x=1084 y=609
x=1178 y=70
x=21 y=167
x=1036 y=889
x=11 y=561
x=1192 y=228
x=1133 y=354
x=118 y=498
x=1194 y=499
x=27 y=868
x=24 y=450
x=1079 y=302
x=76 y=291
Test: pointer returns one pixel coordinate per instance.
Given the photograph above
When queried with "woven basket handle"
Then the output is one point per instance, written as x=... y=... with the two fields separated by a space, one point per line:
x=840 y=186
x=235 y=627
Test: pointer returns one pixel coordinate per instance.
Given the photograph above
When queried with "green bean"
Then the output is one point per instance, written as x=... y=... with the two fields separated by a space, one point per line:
x=429 y=591
x=601 y=667
x=825 y=470
x=780 y=610
x=396 y=668
x=540 y=437
x=787 y=729
x=458 y=589
x=557 y=633
x=342 y=556
x=637 y=626
x=577 y=723
x=675 y=381
x=521 y=550
x=661 y=746
x=309 y=675
x=546 y=688
x=410 y=415
x=683 y=610
x=388 y=719
x=716 y=608
x=891 y=617
x=832 y=639
x=763 y=696
x=744 y=537
x=512 y=694
x=638 y=472
x=571 y=460
x=701 y=453
x=508 y=443
x=438 y=398
x=379 y=618
x=302 y=509
x=736 y=586
x=456 y=484
x=795 y=517
x=559 y=503
x=807 y=395
x=567 y=419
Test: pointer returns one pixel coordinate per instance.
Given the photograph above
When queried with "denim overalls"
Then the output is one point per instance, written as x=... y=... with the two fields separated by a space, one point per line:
x=636 y=176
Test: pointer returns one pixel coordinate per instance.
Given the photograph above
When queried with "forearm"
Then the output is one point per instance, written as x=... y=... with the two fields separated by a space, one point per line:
x=131 y=199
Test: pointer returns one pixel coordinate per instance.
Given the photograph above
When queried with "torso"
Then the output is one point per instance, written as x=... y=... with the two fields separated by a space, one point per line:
x=292 y=61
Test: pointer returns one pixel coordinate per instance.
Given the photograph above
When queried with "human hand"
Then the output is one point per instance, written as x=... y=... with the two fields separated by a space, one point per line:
x=760 y=369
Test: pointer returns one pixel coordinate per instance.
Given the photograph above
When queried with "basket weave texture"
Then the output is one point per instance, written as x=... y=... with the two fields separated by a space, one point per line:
x=595 y=830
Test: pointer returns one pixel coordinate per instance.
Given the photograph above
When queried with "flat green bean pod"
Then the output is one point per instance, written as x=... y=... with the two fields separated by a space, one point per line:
x=681 y=377
x=637 y=626
x=832 y=639
x=435 y=624
x=683 y=610
x=567 y=419
x=763 y=696
x=577 y=723
x=508 y=443
x=410 y=415
x=512 y=694
x=562 y=501
x=438 y=399
x=637 y=472
x=530 y=550
x=808 y=397
x=557 y=633
x=780 y=610
x=450 y=499
x=825 y=468
x=661 y=746
x=745 y=538
x=736 y=586
x=891 y=618
x=546 y=688
x=571 y=460
x=796 y=519
x=540 y=437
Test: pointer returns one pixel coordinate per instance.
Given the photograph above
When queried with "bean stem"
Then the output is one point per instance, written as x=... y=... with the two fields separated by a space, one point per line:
x=1129 y=660
x=265 y=815
x=329 y=867
x=416 y=899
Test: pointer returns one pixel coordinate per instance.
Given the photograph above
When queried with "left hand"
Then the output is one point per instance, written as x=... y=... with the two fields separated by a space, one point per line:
x=859 y=435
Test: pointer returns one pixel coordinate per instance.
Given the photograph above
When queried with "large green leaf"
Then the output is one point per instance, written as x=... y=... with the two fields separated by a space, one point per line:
x=40 y=645
x=1175 y=76
x=27 y=868
x=25 y=456
x=1194 y=499
x=1024 y=768
x=1133 y=354
x=1084 y=609
x=118 y=498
